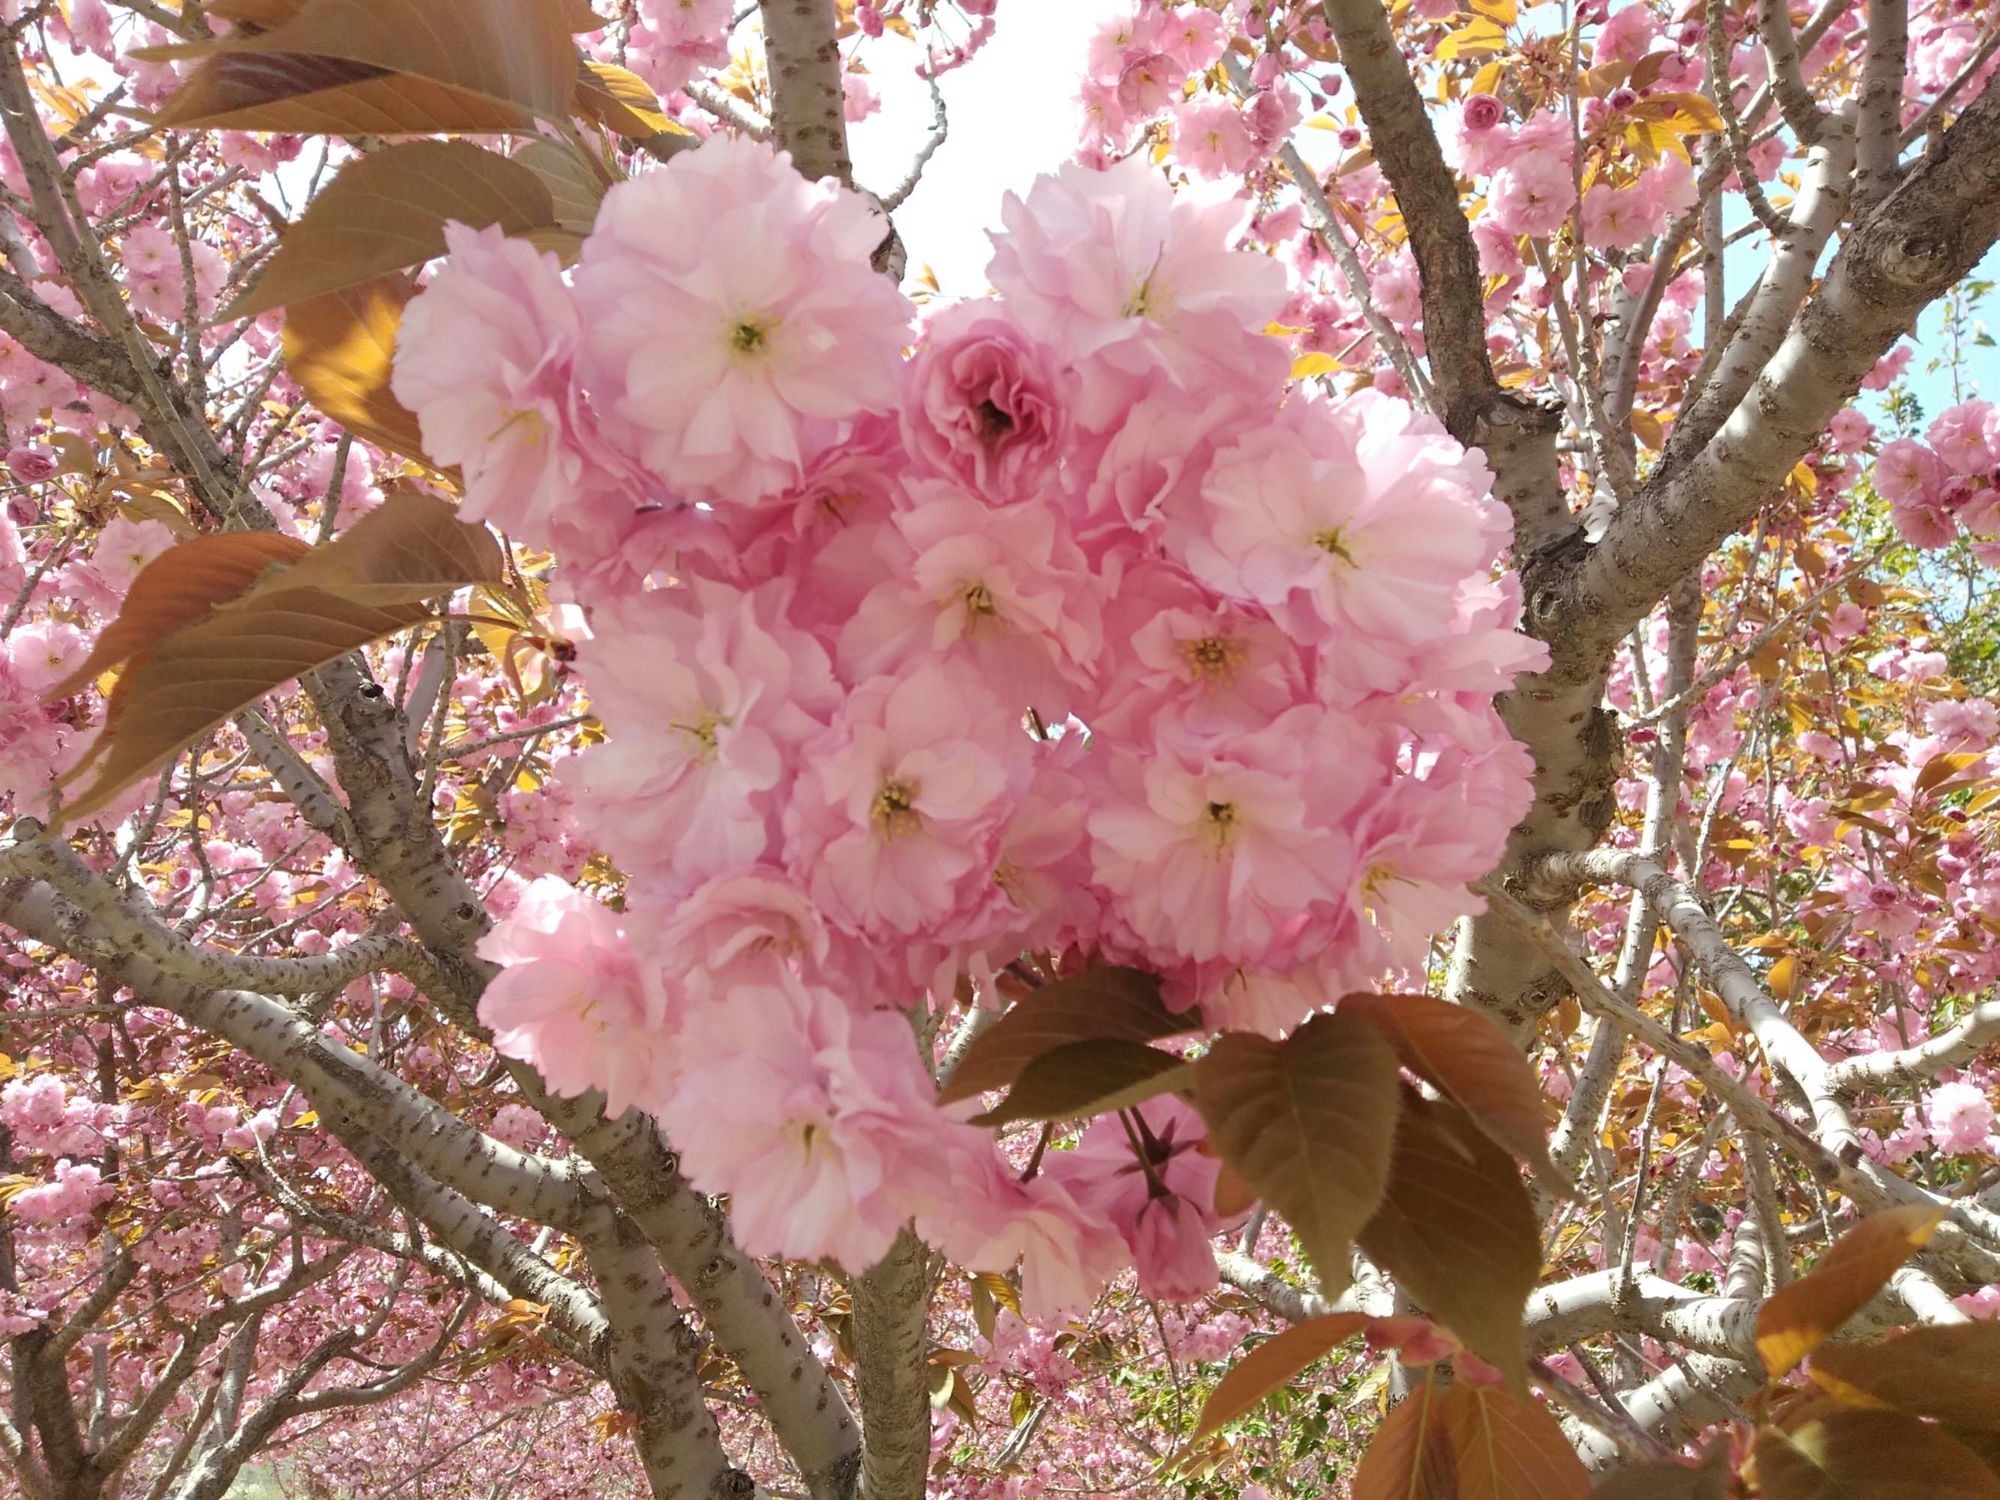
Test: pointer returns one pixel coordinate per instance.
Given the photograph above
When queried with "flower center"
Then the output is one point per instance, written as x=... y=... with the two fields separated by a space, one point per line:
x=702 y=732
x=978 y=601
x=1213 y=658
x=1148 y=300
x=994 y=422
x=1218 y=822
x=748 y=335
x=894 y=811
x=1330 y=542
x=524 y=423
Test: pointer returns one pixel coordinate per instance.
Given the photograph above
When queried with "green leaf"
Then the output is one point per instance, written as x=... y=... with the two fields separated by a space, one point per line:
x=1102 y=1001
x=1457 y=1230
x=1307 y=1123
x=387 y=211
x=1090 y=1077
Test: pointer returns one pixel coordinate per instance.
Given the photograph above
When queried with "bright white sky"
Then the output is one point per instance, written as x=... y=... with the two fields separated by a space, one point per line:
x=1013 y=116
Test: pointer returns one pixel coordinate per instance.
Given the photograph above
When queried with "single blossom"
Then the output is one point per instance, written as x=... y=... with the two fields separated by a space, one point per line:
x=731 y=355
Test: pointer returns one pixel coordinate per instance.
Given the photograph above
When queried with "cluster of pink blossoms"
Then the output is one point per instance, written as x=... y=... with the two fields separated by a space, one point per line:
x=1073 y=630
x=1949 y=483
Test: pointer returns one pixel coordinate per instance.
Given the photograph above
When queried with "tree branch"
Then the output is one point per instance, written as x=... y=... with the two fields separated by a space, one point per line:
x=1406 y=148
x=1953 y=1047
x=1916 y=245
x=891 y=1342
x=808 y=108
x=1879 y=146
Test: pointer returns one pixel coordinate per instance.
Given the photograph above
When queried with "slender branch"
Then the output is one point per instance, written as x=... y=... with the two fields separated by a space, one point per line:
x=1953 y=1047
x=1795 y=99
x=1327 y=225
x=1916 y=245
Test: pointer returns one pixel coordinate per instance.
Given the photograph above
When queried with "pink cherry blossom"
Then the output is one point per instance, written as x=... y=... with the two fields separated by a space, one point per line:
x=1112 y=266
x=486 y=359
x=896 y=822
x=732 y=355
x=571 y=1001
x=708 y=693
x=987 y=405
x=803 y=1111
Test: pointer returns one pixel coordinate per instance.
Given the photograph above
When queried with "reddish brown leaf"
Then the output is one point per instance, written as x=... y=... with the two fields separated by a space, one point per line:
x=1307 y=1123
x=1507 y=1447
x=385 y=67
x=1271 y=1365
x=1411 y=1456
x=575 y=186
x=180 y=586
x=1469 y=1060
x=259 y=13
x=1798 y=1318
x=1102 y=1001
x=1827 y=1451
x=1950 y=1373
x=369 y=582
x=1086 y=1078
x=1457 y=1230
x=387 y=211
x=622 y=103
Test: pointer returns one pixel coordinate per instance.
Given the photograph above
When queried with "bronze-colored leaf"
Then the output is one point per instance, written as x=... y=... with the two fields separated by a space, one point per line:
x=1411 y=1456
x=369 y=582
x=1102 y=1001
x=339 y=347
x=1272 y=1364
x=1457 y=1230
x=1827 y=1451
x=622 y=103
x=260 y=13
x=1950 y=1373
x=1307 y=1123
x=1797 y=1318
x=387 y=211
x=1507 y=1447
x=181 y=585
x=575 y=187
x=1090 y=1077
x=385 y=67
x=1469 y=1060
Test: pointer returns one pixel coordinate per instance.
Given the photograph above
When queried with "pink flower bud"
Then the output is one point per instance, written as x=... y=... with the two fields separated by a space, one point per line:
x=1483 y=112
x=31 y=464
